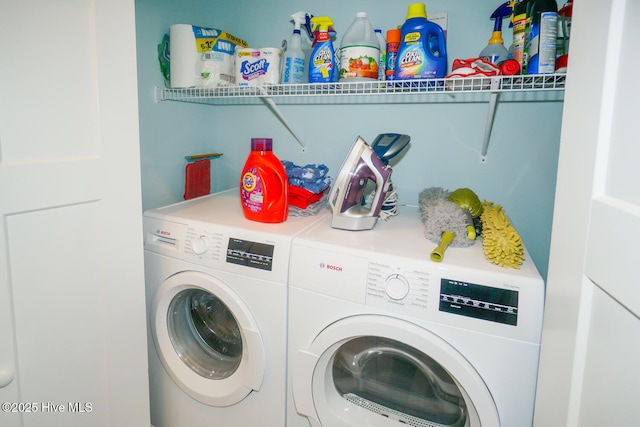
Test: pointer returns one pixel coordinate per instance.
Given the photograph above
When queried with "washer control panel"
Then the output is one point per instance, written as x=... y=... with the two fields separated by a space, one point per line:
x=391 y=285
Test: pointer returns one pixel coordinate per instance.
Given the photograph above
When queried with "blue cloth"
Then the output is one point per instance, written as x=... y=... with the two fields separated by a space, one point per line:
x=312 y=177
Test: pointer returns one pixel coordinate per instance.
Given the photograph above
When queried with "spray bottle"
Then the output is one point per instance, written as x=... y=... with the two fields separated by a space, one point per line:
x=322 y=63
x=293 y=61
x=495 y=52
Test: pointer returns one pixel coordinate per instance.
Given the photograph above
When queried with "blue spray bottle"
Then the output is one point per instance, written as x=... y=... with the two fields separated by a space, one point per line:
x=322 y=63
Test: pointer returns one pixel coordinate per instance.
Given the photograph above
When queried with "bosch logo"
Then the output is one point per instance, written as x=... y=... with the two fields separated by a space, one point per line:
x=164 y=233
x=330 y=267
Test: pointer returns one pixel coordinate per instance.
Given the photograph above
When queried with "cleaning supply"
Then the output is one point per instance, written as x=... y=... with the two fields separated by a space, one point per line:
x=470 y=203
x=382 y=64
x=519 y=30
x=564 y=31
x=393 y=44
x=495 y=52
x=359 y=51
x=294 y=59
x=501 y=242
x=422 y=53
x=445 y=224
x=322 y=63
x=263 y=184
x=541 y=45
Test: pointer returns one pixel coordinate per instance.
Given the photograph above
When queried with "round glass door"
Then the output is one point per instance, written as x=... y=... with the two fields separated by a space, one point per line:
x=207 y=339
x=397 y=381
x=379 y=371
x=205 y=334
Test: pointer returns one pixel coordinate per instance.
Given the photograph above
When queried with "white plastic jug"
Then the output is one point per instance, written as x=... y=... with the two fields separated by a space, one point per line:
x=359 y=51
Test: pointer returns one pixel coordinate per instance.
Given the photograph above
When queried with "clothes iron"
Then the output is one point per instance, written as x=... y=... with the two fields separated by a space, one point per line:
x=347 y=198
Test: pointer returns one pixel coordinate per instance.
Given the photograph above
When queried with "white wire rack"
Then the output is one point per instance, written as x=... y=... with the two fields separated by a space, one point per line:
x=542 y=82
x=539 y=87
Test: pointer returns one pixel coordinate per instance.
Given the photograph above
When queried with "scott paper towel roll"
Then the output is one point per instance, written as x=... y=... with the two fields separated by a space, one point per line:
x=201 y=57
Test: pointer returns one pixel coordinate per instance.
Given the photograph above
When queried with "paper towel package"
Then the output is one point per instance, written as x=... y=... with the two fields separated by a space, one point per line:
x=256 y=67
x=201 y=57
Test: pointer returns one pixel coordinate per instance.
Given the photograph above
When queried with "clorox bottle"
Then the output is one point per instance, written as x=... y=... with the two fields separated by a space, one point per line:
x=263 y=184
x=423 y=52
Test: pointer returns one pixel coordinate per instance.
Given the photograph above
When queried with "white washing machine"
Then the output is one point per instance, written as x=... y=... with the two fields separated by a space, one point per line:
x=379 y=335
x=217 y=300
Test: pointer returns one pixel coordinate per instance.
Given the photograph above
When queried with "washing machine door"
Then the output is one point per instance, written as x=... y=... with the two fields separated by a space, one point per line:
x=379 y=371
x=207 y=339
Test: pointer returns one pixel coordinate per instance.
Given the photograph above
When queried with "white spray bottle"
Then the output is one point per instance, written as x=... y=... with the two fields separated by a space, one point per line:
x=293 y=70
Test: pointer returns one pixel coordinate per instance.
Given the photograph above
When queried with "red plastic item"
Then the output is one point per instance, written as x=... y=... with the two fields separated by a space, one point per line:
x=510 y=67
x=197 y=179
x=302 y=198
x=264 y=185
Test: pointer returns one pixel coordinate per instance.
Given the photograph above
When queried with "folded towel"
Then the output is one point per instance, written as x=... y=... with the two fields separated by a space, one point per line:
x=312 y=177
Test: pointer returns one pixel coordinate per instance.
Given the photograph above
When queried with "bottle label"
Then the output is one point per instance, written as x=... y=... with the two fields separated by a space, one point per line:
x=293 y=70
x=252 y=195
x=321 y=64
x=542 y=44
x=359 y=61
x=519 y=27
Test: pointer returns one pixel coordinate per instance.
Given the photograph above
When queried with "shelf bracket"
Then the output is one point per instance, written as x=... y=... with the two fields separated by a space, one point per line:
x=493 y=101
x=265 y=96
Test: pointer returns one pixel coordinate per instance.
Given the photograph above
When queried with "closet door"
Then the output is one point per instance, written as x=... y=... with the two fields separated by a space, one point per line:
x=591 y=338
x=72 y=310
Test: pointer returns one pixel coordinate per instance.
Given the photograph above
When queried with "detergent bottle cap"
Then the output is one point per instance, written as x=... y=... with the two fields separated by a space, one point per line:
x=417 y=10
x=261 y=144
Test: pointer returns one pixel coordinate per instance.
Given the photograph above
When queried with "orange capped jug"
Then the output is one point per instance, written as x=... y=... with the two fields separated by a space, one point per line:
x=263 y=184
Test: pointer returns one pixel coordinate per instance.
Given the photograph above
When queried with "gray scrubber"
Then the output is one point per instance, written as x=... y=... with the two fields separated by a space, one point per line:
x=430 y=194
x=445 y=224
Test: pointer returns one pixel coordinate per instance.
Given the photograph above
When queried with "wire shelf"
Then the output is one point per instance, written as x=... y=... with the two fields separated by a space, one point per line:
x=541 y=82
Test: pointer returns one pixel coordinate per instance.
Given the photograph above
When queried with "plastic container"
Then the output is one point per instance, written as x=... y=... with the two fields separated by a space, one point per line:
x=322 y=63
x=382 y=64
x=294 y=59
x=541 y=46
x=519 y=30
x=359 y=51
x=263 y=184
x=393 y=44
x=422 y=53
x=495 y=52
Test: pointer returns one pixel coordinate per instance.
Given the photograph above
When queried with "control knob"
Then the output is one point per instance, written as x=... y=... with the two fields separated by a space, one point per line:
x=200 y=245
x=396 y=286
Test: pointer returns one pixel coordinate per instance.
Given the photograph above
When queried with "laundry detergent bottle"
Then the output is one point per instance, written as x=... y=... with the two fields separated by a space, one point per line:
x=423 y=52
x=263 y=184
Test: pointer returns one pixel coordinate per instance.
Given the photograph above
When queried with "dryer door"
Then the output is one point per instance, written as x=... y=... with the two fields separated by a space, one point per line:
x=380 y=371
x=207 y=339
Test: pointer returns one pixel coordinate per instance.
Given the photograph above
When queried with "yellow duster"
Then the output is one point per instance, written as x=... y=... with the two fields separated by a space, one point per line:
x=500 y=240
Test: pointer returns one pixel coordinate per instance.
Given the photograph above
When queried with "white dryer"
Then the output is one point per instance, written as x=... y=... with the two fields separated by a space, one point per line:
x=379 y=335
x=216 y=287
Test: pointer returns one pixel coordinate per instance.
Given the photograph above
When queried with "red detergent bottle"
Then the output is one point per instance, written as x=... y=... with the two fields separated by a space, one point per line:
x=263 y=184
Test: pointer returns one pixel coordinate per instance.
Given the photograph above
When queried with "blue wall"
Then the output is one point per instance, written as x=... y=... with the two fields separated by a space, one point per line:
x=446 y=137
